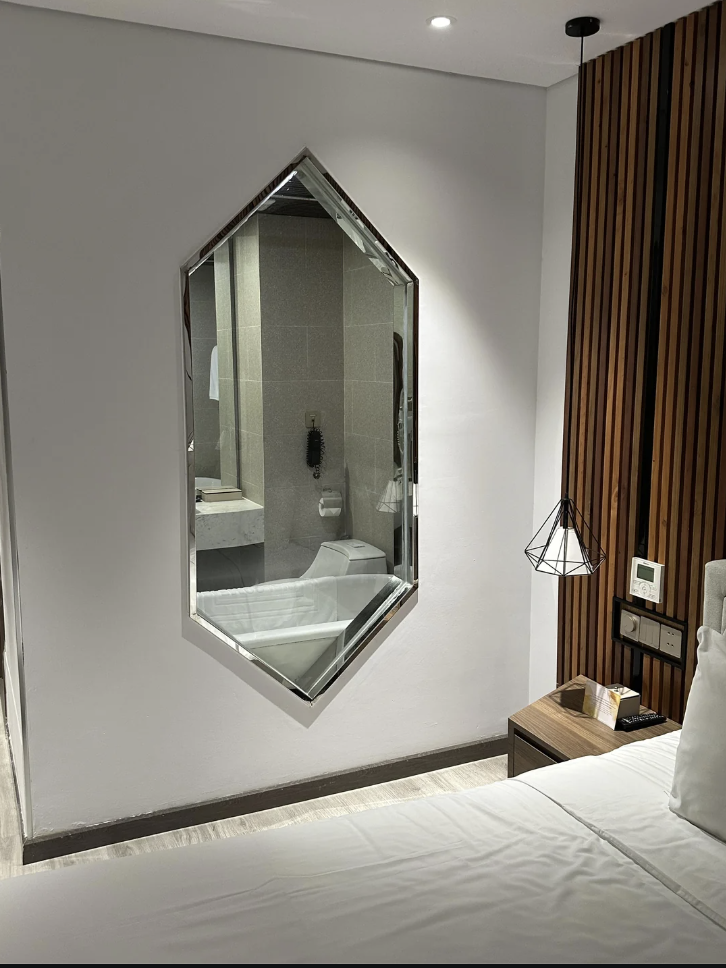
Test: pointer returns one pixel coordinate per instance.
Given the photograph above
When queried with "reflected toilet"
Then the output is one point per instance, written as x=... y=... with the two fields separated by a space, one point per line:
x=349 y=556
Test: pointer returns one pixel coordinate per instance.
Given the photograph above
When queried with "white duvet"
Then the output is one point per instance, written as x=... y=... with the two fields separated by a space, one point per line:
x=581 y=863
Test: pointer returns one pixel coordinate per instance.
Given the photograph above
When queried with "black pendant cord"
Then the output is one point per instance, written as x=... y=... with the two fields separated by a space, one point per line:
x=574 y=289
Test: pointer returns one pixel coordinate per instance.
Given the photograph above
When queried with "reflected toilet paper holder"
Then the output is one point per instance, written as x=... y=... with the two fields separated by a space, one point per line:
x=330 y=504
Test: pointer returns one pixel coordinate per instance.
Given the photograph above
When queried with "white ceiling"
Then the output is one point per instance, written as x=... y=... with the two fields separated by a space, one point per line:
x=512 y=40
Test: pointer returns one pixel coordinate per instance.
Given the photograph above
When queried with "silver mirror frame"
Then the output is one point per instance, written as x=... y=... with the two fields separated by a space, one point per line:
x=378 y=613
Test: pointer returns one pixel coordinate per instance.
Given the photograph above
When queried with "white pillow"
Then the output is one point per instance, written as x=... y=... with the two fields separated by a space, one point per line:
x=699 y=781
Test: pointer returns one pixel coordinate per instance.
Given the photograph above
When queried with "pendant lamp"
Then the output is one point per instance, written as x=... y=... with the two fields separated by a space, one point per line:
x=565 y=545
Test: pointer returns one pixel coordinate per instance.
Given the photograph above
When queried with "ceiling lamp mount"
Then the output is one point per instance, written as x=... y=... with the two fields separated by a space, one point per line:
x=582 y=27
x=565 y=545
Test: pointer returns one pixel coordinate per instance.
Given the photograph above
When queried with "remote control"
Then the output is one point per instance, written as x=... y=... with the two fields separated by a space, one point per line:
x=629 y=723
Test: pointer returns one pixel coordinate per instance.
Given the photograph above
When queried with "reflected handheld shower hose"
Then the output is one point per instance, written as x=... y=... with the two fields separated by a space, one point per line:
x=315 y=453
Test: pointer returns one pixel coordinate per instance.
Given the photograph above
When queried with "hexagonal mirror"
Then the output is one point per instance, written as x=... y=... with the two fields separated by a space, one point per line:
x=300 y=374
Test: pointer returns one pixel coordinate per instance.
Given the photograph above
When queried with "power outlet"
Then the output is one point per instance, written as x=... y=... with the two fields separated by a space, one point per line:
x=629 y=625
x=671 y=641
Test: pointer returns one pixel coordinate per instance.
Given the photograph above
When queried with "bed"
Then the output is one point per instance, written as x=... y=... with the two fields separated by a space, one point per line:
x=579 y=863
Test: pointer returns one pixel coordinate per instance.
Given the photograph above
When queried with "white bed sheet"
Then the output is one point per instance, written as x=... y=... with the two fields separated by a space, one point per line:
x=624 y=798
x=503 y=874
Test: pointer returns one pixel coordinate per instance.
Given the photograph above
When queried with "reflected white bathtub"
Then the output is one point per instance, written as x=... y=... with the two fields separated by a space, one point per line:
x=290 y=624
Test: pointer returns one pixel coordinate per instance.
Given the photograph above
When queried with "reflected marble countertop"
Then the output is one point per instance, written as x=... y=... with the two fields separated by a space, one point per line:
x=227 y=507
x=229 y=524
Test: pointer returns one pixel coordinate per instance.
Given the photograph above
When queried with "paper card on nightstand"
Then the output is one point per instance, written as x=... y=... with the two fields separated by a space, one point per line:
x=601 y=703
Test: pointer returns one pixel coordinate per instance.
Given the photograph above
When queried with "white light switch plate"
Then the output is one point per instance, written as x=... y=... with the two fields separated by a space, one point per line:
x=629 y=625
x=670 y=641
x=649 y=633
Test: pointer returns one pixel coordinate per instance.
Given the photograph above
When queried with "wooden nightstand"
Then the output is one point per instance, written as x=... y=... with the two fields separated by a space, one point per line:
x=553 y=729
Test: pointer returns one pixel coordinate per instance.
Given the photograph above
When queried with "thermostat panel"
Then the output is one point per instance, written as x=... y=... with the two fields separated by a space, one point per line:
x=646 y=580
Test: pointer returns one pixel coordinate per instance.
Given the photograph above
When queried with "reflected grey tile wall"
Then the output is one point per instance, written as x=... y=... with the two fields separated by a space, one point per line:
x=204 y=339
x=249 y=361
x=294 y=529
x=368 y=393
x=301 y=306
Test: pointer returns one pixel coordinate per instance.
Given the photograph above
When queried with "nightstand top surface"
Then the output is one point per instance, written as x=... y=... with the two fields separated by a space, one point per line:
x=556 y=724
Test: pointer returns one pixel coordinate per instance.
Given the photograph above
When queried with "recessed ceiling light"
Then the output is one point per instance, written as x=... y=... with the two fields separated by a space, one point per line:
x=439 y=23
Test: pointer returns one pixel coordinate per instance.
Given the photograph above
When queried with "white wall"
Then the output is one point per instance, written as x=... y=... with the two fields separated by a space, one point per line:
x=124 y=148
x=554 y=301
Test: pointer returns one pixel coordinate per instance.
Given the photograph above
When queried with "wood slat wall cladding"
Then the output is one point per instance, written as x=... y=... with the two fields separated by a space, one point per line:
x=652 y=196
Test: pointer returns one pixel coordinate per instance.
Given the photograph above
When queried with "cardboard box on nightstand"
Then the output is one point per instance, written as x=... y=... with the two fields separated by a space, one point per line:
x=629 y=701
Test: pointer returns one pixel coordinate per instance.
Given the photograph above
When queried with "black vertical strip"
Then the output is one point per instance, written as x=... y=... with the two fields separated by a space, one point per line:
x=234 y=276
x=655 y=283
x=652 y=325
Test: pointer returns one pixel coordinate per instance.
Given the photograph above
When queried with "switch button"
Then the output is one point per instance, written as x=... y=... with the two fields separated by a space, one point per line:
x=649 y=633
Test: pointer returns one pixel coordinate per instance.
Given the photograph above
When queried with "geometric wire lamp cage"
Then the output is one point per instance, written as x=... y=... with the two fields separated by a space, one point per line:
x=565 y=545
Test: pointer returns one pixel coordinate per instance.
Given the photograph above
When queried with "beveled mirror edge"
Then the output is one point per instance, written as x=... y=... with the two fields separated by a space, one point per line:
x=407 y=588
x=385 y=604
x=394 y=602
x=200 y=255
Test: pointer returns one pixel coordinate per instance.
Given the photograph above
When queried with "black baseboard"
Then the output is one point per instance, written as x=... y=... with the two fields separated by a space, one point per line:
x=102 y=835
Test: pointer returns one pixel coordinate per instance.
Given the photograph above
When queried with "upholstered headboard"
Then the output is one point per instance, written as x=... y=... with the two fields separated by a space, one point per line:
x=714 y=596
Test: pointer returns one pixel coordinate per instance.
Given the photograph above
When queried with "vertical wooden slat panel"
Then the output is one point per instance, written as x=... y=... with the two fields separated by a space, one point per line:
x=718 y=451
x=616 y=360
x=591 y=331
x=687 y=513
x=649 y=118
x=617 y=127
x=703 y=328
x=686 y=430
x=717 y=36
x=678 y=429
x=674 y=247
x=569 y=595
x=677 y=333
x=715 y=517
x=638 y=228
x=601 y=348
x=645 y=52
x=582 y=158
x=667 y=688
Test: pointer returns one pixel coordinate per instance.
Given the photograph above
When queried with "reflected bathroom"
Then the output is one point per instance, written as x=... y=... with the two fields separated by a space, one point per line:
x=303 y=394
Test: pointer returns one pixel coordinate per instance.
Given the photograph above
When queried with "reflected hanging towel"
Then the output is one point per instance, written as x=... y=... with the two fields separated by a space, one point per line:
x=214 y=376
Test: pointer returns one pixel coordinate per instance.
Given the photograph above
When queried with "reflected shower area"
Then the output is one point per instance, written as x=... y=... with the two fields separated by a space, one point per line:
x=300 y=329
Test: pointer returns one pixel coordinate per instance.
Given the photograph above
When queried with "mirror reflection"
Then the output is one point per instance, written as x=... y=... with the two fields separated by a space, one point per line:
x=302 y=385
